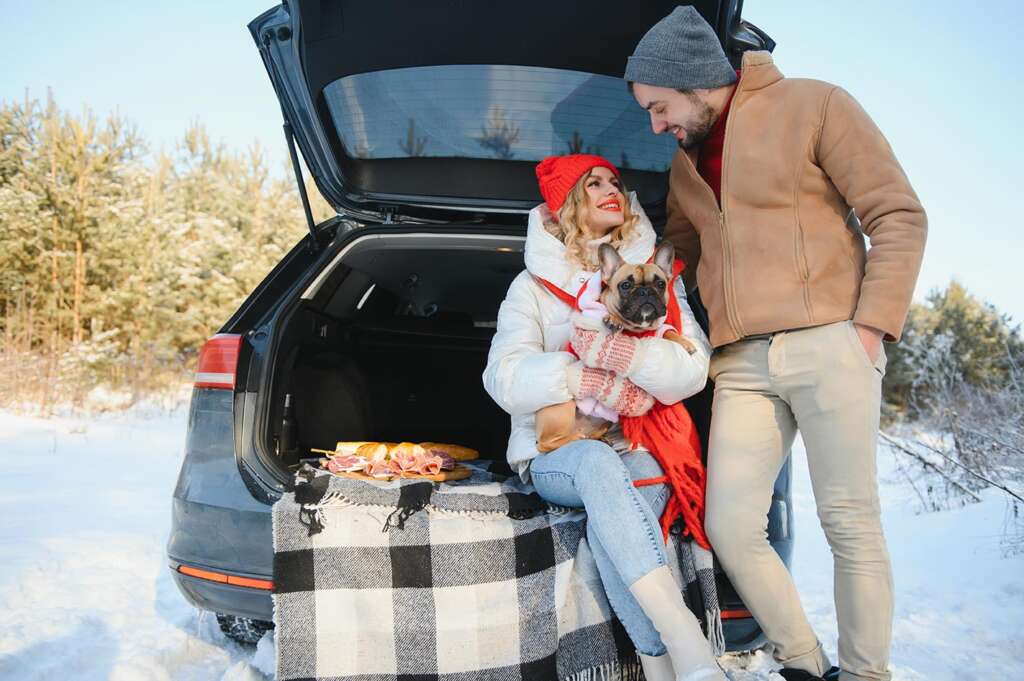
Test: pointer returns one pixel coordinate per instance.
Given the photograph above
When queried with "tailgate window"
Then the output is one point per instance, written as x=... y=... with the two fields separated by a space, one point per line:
x=488 y=111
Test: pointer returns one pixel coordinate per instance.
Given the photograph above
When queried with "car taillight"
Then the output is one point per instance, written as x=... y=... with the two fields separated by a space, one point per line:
x=218 y=361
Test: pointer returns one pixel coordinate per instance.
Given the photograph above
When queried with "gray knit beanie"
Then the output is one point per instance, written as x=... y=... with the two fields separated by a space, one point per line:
x=680 y=51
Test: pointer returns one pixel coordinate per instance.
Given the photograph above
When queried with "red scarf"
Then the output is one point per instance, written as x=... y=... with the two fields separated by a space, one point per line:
x=668 y=433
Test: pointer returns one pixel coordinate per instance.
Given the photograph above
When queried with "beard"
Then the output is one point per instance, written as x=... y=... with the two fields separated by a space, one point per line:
x=698 y=129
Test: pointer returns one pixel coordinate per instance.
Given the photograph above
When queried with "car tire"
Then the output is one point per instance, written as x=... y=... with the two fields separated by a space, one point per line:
x=243 y=630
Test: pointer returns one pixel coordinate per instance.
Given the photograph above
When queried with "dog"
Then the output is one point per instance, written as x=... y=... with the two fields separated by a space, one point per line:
x=636 y=296
x=636 y=300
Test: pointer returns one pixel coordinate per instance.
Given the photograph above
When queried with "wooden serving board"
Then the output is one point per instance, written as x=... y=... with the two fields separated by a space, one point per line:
x=460 y=472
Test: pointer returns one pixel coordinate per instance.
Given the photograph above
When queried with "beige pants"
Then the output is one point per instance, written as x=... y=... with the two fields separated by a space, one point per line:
x=818 y=380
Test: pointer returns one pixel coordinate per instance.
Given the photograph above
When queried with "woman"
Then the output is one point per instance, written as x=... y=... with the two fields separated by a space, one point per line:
x=528 y=369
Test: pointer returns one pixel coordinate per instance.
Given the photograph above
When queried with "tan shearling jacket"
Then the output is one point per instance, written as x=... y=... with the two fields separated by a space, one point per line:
x=805 y=175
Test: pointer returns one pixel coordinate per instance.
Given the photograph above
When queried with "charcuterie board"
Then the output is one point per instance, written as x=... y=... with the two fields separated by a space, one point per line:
x=460 y=472
x=385 y=461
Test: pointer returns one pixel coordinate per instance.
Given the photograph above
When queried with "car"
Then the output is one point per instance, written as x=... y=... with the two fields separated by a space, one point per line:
x=421 y=124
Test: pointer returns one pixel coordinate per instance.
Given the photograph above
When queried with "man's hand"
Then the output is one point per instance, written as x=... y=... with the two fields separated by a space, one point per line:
x=871 y=339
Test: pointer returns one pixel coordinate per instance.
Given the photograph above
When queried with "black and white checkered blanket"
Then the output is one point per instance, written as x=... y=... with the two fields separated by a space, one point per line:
x=412 y=581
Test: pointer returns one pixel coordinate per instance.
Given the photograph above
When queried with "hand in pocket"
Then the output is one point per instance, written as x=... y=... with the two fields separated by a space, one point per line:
x=871 y=339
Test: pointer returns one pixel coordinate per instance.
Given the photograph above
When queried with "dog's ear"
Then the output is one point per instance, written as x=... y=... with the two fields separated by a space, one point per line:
x=610 y=261
x=664 y=255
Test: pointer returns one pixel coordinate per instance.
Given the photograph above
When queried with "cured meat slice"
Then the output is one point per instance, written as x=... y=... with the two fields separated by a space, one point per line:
x=431 y=465
x=345 y=463
x=379 y=469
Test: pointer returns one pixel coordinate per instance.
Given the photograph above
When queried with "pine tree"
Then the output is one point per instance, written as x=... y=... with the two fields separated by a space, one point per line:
x=953 y=337
x=116 y=264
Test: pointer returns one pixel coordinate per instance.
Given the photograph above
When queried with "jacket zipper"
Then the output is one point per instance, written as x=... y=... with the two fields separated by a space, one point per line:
x=727 y=283
x=731 y=307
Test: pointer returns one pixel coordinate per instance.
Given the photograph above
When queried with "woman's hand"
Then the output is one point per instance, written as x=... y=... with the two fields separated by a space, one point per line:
x=601 y=348
x=614 y=391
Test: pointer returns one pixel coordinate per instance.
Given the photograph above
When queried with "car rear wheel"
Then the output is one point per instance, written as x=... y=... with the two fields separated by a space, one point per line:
x=243 y=629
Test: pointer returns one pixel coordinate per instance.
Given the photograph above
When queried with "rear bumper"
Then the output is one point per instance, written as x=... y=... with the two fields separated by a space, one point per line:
x=225 y=598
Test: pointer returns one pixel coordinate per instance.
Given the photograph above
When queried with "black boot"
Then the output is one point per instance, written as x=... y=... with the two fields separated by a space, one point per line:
x=800 y=675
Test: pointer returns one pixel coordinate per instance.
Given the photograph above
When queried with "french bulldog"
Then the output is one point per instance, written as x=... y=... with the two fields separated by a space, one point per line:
x=636 y=298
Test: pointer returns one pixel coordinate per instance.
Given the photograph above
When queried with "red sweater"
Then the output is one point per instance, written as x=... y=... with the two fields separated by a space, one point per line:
x=709 y=163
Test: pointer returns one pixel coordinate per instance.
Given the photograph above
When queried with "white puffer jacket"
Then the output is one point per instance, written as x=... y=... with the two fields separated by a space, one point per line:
x=526 y=366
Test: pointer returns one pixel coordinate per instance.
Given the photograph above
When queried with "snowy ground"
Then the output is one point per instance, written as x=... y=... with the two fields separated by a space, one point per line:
x=85 y=591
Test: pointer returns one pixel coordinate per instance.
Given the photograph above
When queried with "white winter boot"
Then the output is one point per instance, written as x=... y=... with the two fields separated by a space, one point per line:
x=657 y=668
x=660 y=598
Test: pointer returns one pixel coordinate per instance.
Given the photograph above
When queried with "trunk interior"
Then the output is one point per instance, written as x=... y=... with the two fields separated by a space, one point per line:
x=392 y=343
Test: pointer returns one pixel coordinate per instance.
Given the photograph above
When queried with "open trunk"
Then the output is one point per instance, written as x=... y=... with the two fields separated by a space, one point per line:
x=390 y=342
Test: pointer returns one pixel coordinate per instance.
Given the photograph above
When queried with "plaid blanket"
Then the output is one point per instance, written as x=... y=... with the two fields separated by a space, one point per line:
x=412 y=581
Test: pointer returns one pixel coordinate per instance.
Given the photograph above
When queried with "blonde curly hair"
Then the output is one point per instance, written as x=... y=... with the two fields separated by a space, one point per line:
x=570 y=226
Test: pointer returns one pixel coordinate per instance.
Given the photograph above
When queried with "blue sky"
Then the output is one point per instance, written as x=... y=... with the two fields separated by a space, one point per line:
x=938 y=77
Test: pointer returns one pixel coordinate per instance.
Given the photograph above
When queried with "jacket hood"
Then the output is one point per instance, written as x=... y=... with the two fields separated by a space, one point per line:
x=545 y=254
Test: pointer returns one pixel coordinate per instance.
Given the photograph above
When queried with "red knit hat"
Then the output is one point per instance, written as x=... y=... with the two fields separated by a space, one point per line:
x=557 y=175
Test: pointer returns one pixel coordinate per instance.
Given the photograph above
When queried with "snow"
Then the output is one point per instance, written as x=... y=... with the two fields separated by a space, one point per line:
x=86 y=594
x=85 y=590
x=959 y=600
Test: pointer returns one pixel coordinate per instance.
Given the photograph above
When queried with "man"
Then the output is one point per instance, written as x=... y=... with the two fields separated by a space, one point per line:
x=774 y=186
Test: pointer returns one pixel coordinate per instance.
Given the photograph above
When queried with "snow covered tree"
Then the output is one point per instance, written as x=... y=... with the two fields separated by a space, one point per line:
x=116 y=264
x=957 y=381
x=953 y=338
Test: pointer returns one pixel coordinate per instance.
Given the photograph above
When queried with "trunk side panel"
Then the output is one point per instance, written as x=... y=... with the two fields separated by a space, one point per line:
x=216 y=521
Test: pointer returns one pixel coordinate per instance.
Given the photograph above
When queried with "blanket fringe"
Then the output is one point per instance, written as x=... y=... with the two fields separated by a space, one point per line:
x=613 y=671
x=716 y=633
x=314 y=513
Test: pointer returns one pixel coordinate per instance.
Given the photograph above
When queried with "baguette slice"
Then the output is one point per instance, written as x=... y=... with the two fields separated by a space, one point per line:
x=349 y=447
x=373 y=451
x=406 y=449
x=457 y=452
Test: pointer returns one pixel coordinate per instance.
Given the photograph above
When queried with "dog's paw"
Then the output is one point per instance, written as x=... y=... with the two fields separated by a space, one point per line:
x=611 y=325
x=687 y=344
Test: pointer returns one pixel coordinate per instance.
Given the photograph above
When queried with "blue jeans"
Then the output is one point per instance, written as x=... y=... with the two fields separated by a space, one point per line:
x=622 y=520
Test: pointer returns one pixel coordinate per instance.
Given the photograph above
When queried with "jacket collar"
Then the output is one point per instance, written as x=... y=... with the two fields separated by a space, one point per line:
x=757 y=71
x=545 y=254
